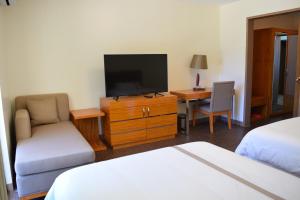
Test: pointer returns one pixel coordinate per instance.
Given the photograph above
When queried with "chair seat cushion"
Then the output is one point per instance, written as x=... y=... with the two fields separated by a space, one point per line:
x=205 y=107
x=52 y=147
x=204 y=101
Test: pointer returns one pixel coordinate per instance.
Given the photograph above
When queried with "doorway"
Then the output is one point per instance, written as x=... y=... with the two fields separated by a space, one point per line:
x=284 y=73
x=272 y=67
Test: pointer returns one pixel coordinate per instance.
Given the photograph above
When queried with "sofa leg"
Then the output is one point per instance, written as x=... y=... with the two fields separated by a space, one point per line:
x=33 y=196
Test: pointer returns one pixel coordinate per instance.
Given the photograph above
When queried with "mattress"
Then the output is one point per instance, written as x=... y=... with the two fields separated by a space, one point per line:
x=276 y=144
x=191 y=171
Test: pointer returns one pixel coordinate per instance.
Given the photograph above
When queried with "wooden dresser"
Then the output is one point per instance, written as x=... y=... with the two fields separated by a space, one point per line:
x=136 y=120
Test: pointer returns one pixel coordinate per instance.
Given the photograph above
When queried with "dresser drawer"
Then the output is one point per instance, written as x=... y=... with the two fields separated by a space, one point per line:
x=161 y=131
x=162 y=108
x=162 y=120
x=124 y=138
x=126 y=113
x=127 y=126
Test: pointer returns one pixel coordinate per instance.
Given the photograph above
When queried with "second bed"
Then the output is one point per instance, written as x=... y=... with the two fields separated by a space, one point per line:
x=276 y=144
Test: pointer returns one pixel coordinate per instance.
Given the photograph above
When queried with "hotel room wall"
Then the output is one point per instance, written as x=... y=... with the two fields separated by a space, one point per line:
x=233 y=35
x=5 y=117
x=58 y=46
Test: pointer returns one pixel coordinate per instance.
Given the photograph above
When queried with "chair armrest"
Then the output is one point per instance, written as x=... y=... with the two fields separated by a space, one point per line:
x=22 y=123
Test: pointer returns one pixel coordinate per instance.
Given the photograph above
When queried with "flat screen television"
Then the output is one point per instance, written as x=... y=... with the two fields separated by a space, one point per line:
x=135 y=74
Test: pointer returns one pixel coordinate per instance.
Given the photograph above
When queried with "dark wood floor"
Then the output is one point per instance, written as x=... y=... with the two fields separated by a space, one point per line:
x=228 y=139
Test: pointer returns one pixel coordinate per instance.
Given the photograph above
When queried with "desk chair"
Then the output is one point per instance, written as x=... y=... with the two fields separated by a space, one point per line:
x=221 y=103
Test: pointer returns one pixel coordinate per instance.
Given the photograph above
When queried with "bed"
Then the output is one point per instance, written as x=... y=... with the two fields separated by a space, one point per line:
x=276 y=144
x=191 y=171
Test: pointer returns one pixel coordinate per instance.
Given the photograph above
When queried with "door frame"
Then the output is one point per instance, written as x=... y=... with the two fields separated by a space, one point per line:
x=249 y=63
x=297 y=86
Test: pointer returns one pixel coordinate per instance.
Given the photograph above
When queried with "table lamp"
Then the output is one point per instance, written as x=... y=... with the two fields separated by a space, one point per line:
x=199 y=62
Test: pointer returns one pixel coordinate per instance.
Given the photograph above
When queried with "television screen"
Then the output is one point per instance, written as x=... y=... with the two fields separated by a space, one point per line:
x=135 y=74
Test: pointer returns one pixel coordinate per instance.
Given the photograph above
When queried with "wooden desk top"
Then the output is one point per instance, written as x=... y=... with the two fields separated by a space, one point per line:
x=87 y=113
x=191 y=94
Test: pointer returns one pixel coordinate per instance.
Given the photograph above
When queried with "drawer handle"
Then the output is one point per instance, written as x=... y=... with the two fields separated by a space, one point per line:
x=148 y=110
x=144 y=111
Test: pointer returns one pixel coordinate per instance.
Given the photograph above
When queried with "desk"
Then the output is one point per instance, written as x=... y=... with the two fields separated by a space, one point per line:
x=187 y=96
x=86 y=121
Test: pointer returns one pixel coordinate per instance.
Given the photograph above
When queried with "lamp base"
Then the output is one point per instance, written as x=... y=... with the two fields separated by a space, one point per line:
x=198 y=88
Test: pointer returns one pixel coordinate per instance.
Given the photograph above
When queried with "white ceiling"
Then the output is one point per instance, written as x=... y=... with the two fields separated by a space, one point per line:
x=217 y=1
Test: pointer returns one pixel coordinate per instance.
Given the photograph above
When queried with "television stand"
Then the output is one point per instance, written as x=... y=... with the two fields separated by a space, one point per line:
x=138 y=120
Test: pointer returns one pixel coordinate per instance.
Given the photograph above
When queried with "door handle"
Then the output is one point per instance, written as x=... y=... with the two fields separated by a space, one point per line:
x=148 y=111
x=144 y=111
x=298 y=79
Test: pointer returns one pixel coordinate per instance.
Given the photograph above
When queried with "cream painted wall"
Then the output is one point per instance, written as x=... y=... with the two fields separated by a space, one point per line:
x=5 y=109
x=58 y=45
x=233 y=25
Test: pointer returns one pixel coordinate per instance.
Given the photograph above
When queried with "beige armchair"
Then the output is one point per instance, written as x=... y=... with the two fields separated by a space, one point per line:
x=48 y=143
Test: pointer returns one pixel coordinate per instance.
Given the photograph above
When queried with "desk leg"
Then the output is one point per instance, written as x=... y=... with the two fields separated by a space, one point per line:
x=187 y=118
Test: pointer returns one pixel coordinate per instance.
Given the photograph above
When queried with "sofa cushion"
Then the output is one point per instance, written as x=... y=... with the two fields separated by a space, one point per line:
x=62 y=101
x=52 y=147
x=22 y=124
x=37 y=183
x=43 y=111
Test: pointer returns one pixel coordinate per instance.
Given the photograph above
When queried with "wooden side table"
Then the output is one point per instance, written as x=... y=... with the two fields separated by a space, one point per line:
x=86 y=121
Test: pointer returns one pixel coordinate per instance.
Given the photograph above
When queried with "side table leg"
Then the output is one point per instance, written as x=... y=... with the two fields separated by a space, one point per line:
x=90 y=130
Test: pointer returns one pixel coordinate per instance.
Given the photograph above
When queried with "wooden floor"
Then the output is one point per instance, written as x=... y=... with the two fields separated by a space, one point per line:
x=228 y=139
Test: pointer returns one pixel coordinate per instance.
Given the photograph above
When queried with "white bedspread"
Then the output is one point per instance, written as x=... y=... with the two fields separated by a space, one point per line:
x=171 y=174
x=276 y=144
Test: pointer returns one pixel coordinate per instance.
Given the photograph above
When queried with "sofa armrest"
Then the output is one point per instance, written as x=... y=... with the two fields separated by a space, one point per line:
x=22 y=123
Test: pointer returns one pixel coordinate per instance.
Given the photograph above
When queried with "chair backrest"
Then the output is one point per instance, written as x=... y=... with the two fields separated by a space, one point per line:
x=62 y=101
x=222 y=96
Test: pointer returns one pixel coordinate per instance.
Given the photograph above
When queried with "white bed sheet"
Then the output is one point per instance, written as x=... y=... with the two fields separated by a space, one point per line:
x=276 y=144
x=170 y=174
